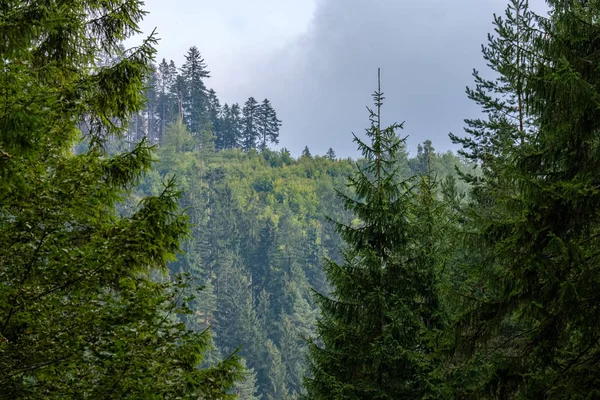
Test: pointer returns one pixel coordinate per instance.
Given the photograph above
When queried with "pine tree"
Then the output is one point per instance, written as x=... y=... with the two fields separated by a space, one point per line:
x=167 y=106
x=165 y=81
x=251 y=124
x=306 y=152
x=425 y=152
x=268 y=124
x=277 y=375
x=214 y=114
x=371 y=326
x=195 y=98
x=236 y=126
x=152 y=111
x=86 y=308
x=246 y=389
x=331 y=154
x=530 y=330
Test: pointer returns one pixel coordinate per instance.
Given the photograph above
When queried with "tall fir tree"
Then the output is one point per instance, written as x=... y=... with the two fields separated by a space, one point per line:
x=371 y=327
x=268 y=124
x=215 y=112
x=306 y=152
x=251 y=124
x=167 y=107
x=530 y=330
x=195 y=100
x=331 y=154
x=86 y=310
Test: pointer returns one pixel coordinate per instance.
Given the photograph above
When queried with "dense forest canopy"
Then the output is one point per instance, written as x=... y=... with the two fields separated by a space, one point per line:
x=156 y=244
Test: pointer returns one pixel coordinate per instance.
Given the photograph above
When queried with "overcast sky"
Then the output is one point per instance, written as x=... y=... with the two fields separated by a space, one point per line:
x=316 y=60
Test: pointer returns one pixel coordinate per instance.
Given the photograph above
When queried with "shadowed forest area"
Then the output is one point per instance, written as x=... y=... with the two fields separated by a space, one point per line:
x=157 y=244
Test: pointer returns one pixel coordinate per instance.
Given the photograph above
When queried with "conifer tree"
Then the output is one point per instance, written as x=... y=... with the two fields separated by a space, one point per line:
x=306 y=152
x=331 y=154
x=195 y=98
x=222 y=138
x=268 y=124
x=214 y=113
x=235 y=127
x=371 y=325
x=86 y=310
x=251 y=124
x=246 y=389
x=530 y=330
x=167 y=107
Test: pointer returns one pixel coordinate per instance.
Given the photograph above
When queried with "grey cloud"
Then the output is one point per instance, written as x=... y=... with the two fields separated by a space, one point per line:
x=321 y=82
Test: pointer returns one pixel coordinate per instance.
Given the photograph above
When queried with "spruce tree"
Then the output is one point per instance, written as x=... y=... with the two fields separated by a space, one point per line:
x=251 y=124
x=246 y=389
x=195 y=99
x=306 y=152
x=222 y=139
x=531 y=329
x=167 y=102
x=369 y=333
x=236 y=126
x=86 y=308
x=331 y=154
x=214 y=111
x=268 y=124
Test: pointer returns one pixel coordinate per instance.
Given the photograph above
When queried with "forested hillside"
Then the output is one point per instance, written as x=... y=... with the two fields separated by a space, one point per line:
x=260 y=236
x=157 y=245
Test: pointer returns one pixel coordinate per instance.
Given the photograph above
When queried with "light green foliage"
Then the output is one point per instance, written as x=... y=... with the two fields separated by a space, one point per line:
x=259 y=239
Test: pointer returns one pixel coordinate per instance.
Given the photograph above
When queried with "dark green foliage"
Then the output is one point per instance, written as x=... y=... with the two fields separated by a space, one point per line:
x=331 y=154
x=167 y=106
x=171 y=94
x=195 y=96
x=531 y=330
x=214 y=114
x=86 y=309
x=268 y=124
x=251 y=125
x=306 y=152
x=231 y=127
x=371 y=342
x=259 y=239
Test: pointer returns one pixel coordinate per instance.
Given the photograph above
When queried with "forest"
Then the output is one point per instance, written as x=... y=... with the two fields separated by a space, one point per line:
x=157 y=244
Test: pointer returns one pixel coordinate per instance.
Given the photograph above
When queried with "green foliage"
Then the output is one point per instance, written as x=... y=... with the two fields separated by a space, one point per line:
x=372 y=340
x=526 y=328
x=259 y=239
x=86 y=309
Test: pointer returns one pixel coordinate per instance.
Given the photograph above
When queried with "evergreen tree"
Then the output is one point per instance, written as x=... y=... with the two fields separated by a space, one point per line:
x=306 y=152
x=425 y=153
x=268 y=124
x=371 y=326
x=223 y=139
x=151 y=111
x=214 y=114
x=235 y=126
x=246 y=389
x=277 y=375
x=86 y=310
x=251 y=124
x=165 y=81
x=530 y=330
x=331 y=154
x=195 y=98
x=167 y=107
